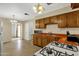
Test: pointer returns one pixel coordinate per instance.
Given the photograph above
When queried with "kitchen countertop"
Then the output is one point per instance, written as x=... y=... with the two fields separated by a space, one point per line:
x=62 y=38
x=56 y=34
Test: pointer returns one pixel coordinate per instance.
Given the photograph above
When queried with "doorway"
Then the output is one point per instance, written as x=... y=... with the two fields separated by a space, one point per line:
x=19 y=31
x=16 y=30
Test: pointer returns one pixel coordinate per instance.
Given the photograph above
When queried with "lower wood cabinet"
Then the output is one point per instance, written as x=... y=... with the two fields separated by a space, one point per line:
x=42 y=40
x=39 y=42
x=34 y=40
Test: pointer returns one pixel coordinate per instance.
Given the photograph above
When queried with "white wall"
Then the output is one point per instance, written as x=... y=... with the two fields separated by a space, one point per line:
x=1 y=31
x=6 y=29
x=29 y=26
x=55 y=29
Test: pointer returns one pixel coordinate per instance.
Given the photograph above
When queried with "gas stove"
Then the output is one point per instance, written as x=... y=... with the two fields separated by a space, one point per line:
x=64 y=46
x=46 y=51
x=57 y=49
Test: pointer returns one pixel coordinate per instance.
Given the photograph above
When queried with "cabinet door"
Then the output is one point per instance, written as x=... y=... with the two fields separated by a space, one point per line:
x=77 y=18
x=42 y=25
x=72 y=19
x=39 y=42
x=62 y=21
x=50 y=39
x=47 y=20
x=34 y=40
x=53 y=20
x=74 y=5
x=37 y=24
x=44 y=40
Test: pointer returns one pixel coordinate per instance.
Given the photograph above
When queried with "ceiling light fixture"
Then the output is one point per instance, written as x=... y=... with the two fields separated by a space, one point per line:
x=38 y=8
x=13 y=20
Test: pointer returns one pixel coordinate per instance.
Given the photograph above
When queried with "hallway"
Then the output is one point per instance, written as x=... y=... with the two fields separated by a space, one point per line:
x=19 y=48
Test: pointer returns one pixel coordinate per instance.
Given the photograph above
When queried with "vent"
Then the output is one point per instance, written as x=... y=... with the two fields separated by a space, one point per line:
x=26 y=14
x=49 y=3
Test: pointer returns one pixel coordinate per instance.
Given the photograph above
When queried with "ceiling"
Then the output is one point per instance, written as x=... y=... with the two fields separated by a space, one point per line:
x=18 y=9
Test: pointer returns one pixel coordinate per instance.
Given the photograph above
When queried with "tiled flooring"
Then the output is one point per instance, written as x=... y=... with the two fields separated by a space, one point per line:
x=19 y=48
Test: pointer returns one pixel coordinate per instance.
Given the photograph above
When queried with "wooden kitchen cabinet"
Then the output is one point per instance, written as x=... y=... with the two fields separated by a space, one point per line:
x=77 y=18
x=53 y=20
x=39 y=42
x=35 y=39
x=71 y=19
x=62 y=21
x=47 y=20
x=74 y=5
x=42 y=40
x=67 y=20
x=50 y=38
x=40 y=24
x=37 y=25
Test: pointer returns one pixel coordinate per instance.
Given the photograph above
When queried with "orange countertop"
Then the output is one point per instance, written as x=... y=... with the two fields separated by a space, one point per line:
x=64 y=41
x=63 y=38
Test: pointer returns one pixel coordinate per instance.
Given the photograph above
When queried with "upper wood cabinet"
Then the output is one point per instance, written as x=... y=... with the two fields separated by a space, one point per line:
x=67 y=20
x=62 y=22
x=71 y=19
x=77 y=18
x=40 y=23
x=37 y=23
x=47 y=20
x=53 y=20
x=74 y=5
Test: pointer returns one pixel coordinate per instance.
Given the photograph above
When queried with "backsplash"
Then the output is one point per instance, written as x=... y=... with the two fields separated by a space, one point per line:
x=54 y=29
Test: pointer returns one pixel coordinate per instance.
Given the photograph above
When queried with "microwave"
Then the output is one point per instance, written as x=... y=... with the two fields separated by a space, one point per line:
x=37 y=31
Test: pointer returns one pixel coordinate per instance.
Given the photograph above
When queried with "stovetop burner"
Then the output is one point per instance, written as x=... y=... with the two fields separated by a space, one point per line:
x=47 y=51
x=68 y=47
